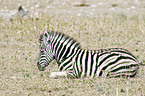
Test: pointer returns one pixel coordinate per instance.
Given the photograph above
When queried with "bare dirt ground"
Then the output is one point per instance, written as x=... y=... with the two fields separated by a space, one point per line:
x=94 y=23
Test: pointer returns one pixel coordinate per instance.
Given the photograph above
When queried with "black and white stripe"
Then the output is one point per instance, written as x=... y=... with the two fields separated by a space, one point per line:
x=78 y=63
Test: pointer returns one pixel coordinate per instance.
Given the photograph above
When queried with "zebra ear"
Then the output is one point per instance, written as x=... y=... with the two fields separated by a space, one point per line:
x=46 y=37
x=40 y=39
x=46 y=34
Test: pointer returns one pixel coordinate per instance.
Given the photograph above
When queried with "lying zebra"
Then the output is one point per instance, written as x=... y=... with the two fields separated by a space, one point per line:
x=77 y=63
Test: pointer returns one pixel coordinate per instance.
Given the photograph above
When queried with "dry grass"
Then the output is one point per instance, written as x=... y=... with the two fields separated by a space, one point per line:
x=19 y=49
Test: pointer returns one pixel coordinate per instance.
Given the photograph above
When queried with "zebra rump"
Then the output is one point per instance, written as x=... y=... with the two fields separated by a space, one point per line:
x=78 y=63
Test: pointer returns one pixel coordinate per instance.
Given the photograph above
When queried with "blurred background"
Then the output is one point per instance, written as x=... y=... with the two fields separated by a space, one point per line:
x=73 y=7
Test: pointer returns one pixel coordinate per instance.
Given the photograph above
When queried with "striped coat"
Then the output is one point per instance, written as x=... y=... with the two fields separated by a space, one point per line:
x=76 y=62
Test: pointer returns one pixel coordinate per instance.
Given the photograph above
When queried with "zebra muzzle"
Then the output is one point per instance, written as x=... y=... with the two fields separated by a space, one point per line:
x=41 y=67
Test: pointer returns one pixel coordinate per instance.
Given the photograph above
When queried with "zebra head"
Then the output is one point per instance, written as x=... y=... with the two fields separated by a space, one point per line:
x=46 y=53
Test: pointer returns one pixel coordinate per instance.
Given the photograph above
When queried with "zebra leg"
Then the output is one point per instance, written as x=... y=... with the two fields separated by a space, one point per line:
x=62 y=74
x=58 y=74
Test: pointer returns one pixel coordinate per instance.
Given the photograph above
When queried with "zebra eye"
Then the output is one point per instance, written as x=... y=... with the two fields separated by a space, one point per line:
x=48 y=42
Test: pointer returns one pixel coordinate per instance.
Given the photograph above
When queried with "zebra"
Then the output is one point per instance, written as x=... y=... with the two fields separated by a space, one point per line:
x=74 y=62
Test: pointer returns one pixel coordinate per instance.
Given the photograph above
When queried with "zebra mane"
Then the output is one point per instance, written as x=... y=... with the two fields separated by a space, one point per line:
x=65 y=36
x=59 y=33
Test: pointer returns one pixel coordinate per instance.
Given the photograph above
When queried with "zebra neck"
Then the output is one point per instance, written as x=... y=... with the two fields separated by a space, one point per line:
x=63 y=46
x=66 y=54
x=67 y=63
